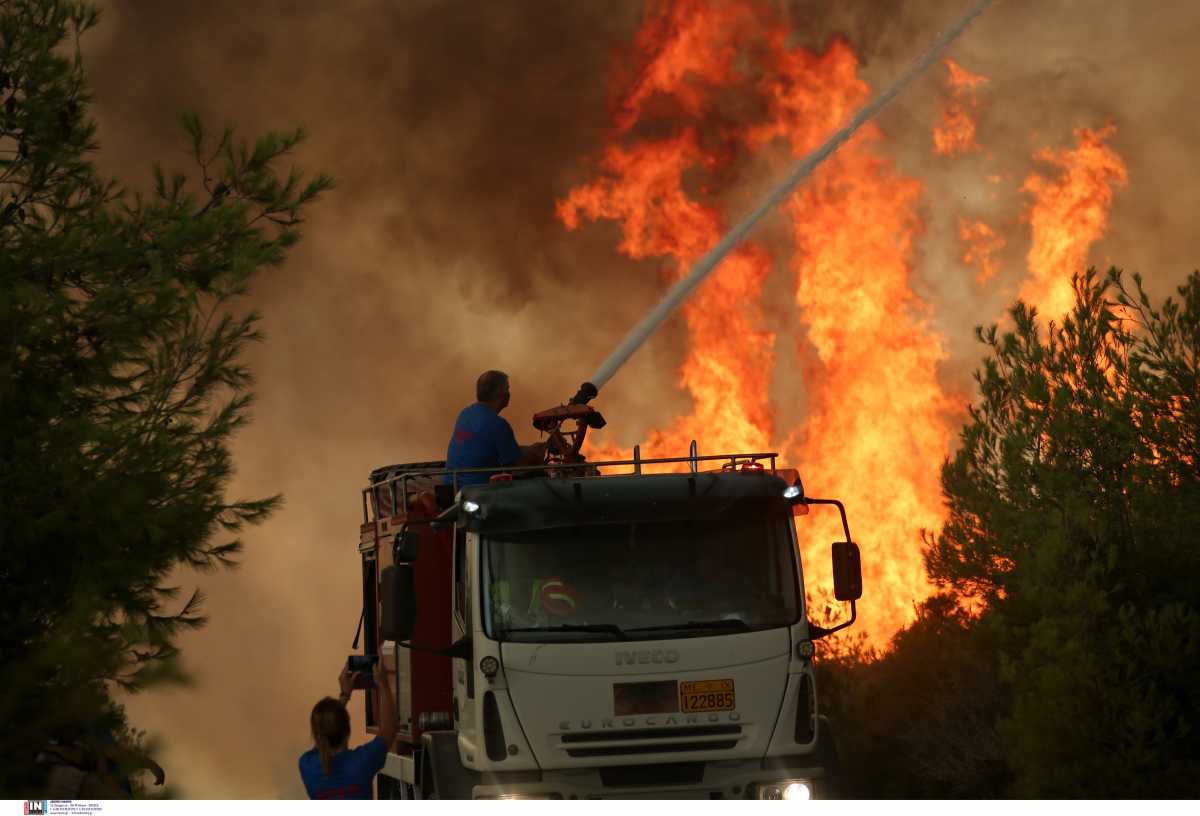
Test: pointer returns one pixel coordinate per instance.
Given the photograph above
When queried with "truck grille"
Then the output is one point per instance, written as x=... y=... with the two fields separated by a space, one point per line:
x=651 y=741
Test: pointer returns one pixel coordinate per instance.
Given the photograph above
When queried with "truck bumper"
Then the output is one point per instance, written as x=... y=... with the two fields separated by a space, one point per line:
x=718 y=780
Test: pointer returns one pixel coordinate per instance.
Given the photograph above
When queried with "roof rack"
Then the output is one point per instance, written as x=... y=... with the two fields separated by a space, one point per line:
x=395 y=489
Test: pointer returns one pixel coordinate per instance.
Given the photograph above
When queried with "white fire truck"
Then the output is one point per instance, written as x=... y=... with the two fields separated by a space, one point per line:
x=595 y=630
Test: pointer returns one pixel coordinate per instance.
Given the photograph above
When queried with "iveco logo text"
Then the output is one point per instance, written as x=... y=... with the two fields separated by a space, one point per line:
x=650 y=721
x=647 y=656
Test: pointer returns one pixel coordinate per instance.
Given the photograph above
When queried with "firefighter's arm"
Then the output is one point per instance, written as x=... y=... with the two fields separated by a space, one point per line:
x=387 y=705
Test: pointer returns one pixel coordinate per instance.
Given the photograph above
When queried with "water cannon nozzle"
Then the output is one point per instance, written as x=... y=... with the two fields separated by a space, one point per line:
x=585 y=394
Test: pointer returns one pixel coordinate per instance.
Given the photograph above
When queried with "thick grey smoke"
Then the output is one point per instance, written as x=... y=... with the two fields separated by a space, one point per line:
x=452 y=128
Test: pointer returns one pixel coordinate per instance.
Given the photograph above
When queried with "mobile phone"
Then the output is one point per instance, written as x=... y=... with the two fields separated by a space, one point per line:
x=364 y=667
x=362 y=663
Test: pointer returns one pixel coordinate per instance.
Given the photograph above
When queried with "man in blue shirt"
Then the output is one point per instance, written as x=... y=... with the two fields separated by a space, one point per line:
x=482 y=438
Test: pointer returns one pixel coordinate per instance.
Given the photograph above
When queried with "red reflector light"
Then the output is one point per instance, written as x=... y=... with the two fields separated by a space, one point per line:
x=752 y=466
x=500 y=477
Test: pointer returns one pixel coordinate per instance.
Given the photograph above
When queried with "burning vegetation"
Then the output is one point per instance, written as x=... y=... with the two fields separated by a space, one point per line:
x=1045 y=539
x=1068 y=214
x=867 y=351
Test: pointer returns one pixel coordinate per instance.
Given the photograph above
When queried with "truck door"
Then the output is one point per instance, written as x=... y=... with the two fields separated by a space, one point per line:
x=464 y=672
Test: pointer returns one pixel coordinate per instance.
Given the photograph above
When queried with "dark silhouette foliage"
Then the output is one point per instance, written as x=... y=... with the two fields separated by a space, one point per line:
x=121 y=385
x=1074 y=531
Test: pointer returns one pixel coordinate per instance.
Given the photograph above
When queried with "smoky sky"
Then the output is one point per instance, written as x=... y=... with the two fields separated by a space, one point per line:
x=451 y=129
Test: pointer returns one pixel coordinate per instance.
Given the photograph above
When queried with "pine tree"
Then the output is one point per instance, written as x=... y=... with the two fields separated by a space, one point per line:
x=1075 y=515
x=122 y=382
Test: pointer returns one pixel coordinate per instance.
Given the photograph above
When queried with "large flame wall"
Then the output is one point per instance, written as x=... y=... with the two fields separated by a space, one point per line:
x=878 y=422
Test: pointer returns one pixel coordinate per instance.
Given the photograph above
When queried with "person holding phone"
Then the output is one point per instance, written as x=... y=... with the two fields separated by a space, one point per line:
x=330 y=769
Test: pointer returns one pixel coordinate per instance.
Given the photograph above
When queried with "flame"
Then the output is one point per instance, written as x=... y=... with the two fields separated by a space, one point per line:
x=980 y=244
x=956 y=132
x=728 y=368
x=684 y=48
x=1068 y=214
x=876 y=433
x=878 y=424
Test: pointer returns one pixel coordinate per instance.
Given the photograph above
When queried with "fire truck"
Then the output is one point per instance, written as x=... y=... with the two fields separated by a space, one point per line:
x=584 y=630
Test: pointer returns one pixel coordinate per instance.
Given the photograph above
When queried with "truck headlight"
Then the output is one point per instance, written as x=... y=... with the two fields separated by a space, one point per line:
x=785 y=789
x=797 y=790
x=524 y=797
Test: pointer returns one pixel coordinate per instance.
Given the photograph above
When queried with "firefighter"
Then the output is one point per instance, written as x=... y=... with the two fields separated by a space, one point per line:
x=482 y=438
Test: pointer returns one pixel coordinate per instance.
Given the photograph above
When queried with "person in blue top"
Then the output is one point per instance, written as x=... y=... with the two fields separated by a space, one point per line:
x=482 y=438
x=330 y=769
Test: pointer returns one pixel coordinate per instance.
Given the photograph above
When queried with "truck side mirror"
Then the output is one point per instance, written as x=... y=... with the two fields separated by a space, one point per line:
x=847 y=571
x=404 y=545
x=399 y=602
x=461 y=648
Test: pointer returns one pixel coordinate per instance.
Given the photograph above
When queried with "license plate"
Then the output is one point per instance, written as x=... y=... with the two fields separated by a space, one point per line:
x=705 y=695
x=658 y=697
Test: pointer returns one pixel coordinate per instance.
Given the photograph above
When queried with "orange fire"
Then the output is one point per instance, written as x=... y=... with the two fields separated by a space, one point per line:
x=878 y=424
x=728 y=369
x=876 y=432
x=683 y=49
x=1068 y=214
x=956 y=132
x=981 y=243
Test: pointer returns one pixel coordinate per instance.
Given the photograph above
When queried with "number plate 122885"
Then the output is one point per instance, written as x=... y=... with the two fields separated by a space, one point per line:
x=706 y=695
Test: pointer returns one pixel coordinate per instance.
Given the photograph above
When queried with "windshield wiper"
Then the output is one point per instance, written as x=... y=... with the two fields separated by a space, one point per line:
x=606 y=628
x=723 y=623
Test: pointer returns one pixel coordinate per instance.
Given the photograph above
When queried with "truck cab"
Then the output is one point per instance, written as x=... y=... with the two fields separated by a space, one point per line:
x=576 y=635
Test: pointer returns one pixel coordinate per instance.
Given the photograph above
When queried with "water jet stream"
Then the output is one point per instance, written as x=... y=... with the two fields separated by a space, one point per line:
x=711 y=259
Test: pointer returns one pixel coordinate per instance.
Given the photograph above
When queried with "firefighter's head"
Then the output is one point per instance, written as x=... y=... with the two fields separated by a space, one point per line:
x=492 y=389
x=330 y=729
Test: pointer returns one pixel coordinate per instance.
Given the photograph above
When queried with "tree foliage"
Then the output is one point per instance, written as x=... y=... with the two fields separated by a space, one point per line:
x=1075 y=513
x=918 y=720
x=121 y=384
x=1073 y=534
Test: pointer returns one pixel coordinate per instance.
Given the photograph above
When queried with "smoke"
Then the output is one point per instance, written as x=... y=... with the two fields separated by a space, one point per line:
x=452 y=128
x=1052 y=68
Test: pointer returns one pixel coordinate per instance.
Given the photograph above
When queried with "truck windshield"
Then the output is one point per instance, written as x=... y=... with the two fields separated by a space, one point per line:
x=643 y=580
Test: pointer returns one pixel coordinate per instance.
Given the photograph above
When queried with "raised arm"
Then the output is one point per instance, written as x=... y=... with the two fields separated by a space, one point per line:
x=346 y=684
x=387 y=705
